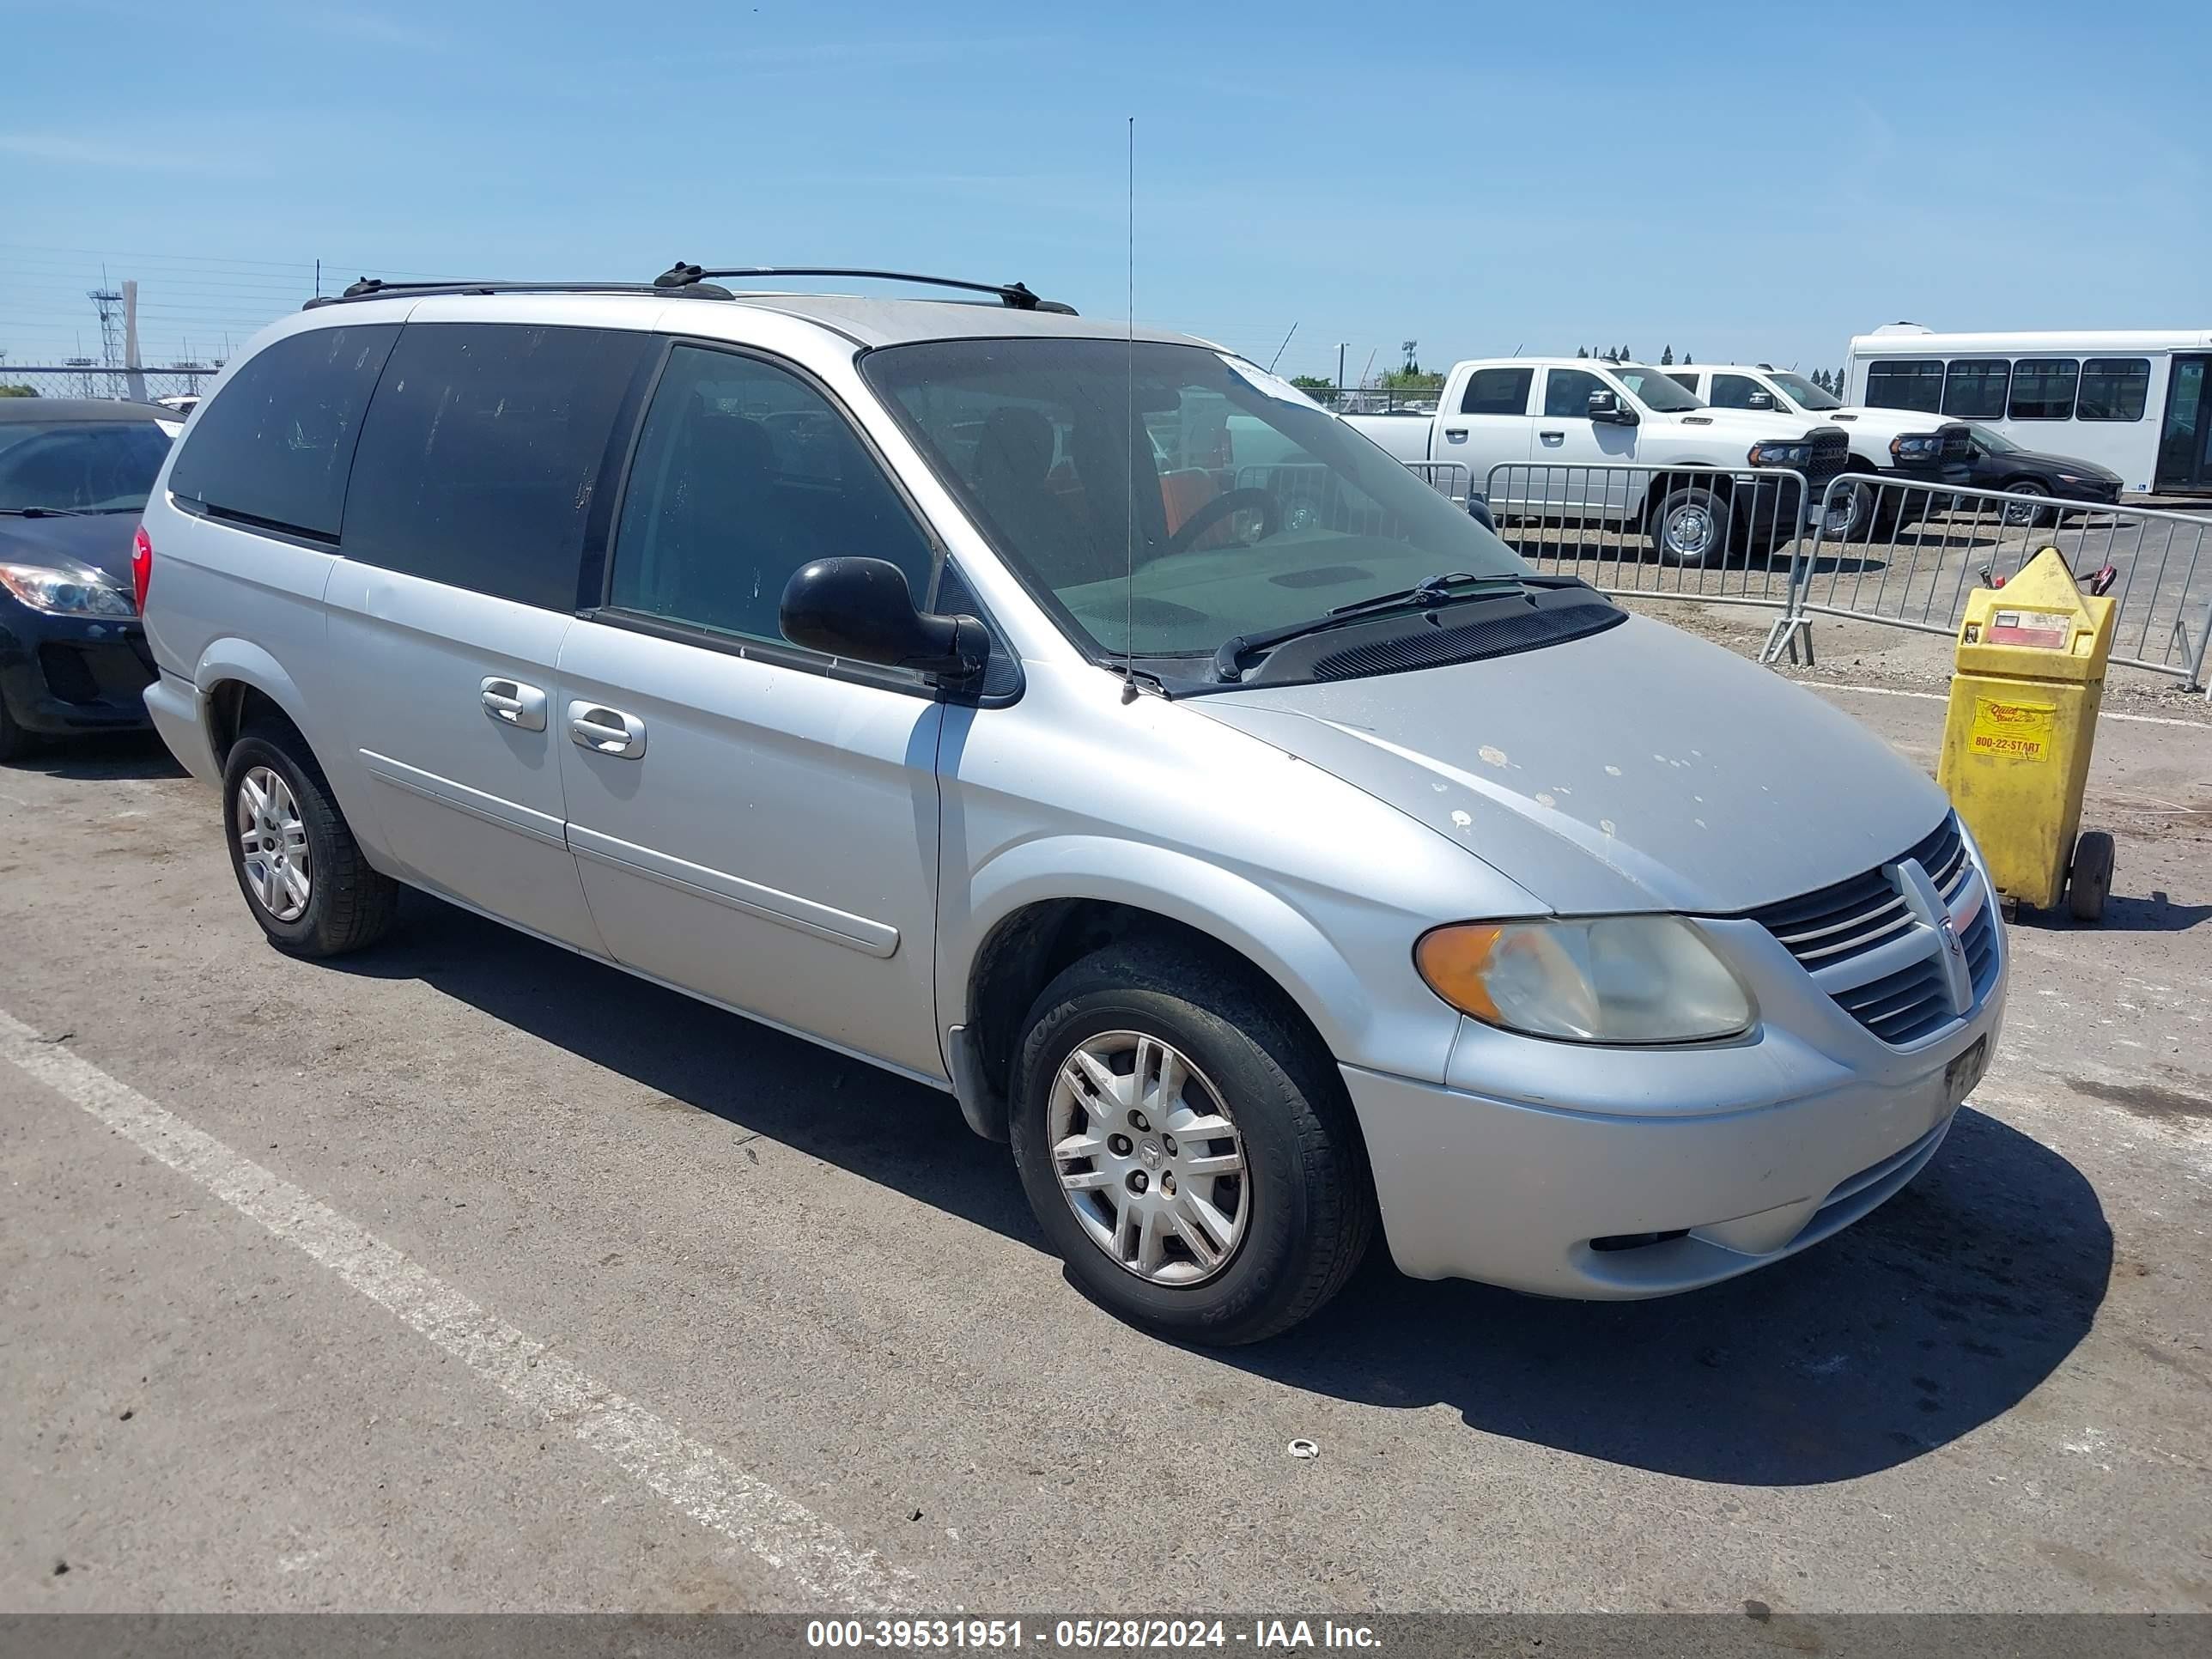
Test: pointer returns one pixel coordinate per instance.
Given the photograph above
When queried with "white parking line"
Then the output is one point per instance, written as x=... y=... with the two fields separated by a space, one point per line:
x=696 y=1479
x=1945 y=696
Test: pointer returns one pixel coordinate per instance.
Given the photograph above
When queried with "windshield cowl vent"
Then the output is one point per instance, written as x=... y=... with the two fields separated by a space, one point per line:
x=1524 y=628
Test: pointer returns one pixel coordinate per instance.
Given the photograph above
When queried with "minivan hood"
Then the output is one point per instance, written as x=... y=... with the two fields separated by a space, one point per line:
x=1640 y=769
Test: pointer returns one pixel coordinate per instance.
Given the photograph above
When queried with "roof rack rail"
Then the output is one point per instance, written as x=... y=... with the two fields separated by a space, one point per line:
x=1015 y=295
x=372 y=288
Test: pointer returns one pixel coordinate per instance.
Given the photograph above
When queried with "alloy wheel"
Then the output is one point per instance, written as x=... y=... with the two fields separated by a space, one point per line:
x=272 y=843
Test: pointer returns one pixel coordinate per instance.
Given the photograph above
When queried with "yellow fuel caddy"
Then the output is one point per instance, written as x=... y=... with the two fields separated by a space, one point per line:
x=2029 y=675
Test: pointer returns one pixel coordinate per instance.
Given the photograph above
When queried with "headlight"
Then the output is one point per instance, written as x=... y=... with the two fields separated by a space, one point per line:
x=1769 y=452
x=1614 y=979
x=69 y=591
x=1914 y=446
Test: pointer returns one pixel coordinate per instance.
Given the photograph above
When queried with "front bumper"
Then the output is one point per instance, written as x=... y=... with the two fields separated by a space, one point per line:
x=67 y=674
x=1575 y=1171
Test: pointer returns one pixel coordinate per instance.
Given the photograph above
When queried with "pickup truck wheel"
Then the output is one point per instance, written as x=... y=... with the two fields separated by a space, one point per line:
x=1190 y=1156
x=1690 y=527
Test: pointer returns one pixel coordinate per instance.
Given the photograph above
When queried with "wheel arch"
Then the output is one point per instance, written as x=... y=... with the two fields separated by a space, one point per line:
x=1047 y=903
x=238 y=679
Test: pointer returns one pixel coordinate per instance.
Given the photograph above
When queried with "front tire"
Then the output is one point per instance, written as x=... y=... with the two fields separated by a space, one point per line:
x=1690 y=528
x=1186 y=1149
x=303 y=874
x=2021 y=514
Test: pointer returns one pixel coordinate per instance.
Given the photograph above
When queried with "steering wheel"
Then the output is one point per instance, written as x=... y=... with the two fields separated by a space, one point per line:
x=1233 y=501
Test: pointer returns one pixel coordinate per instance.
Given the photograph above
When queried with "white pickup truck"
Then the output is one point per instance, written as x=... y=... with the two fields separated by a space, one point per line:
x=1905 y=443
x=1554 y=423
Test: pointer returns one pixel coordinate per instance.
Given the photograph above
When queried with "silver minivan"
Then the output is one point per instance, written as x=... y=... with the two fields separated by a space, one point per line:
x=1089 y=727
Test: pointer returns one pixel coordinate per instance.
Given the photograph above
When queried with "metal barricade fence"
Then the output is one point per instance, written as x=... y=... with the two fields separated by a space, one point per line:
x=1913 y=551
x=1726 y=535
x=97 y=380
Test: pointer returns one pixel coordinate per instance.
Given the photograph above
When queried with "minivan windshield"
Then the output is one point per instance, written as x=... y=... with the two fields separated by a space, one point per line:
x=1162 y=499
x=79 y=467
x=1803 y=392
x=1656 y=389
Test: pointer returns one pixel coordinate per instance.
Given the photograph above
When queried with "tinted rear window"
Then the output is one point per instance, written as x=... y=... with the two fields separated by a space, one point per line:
x=1497 y=391
x=479 y=461
x=273 y=446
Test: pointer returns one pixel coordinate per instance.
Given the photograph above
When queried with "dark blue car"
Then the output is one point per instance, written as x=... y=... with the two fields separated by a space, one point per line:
x=74 y=477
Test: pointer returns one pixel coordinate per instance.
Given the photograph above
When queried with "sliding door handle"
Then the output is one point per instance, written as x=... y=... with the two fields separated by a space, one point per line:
x=605 y=731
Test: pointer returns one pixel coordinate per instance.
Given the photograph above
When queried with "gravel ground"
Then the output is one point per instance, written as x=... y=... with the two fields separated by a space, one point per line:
x=468 y=1274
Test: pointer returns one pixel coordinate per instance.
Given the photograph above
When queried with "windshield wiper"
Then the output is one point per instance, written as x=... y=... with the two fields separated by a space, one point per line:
x=46 y=512
x=1229 y=661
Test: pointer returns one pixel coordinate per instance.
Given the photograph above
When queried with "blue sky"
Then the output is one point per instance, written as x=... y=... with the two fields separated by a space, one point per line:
x=1747 y=181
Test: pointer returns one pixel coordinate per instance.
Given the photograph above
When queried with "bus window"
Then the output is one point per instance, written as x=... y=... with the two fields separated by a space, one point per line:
x=2114 y=388
x=2043 y=388
x=1974 y=388
x=1905 y=383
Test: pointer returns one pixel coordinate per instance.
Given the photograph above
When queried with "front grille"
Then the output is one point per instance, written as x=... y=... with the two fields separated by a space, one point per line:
x=1903 y=1007
x=1830 y=456
x=1838 y=922
x=1830 y=928
x=1496 y=636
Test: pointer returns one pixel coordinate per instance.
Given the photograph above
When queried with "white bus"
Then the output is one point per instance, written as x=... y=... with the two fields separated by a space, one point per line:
x=2135 y=401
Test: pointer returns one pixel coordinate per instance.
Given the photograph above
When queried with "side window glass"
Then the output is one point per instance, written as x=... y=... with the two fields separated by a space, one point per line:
x=1905 y=383
x=2114 y=388
x=1497 y=391
x=482 y=453
x=2043 y=388
x=744 y=472
x=1974 y=389
x=1733 y=392
x=1567 y=392
x=273 y=447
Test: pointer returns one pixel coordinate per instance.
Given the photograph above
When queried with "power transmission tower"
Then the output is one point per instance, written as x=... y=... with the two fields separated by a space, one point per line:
x=110 y=303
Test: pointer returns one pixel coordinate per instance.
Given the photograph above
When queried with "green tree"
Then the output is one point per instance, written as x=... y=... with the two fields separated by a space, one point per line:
x=1666 y=357
x=1687 y=360
x=18 y=392
x=1581 y=351
x=1314 y=384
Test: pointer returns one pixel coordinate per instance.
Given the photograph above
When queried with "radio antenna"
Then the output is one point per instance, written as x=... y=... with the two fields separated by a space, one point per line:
x=1280 y=349
x=1129 y=439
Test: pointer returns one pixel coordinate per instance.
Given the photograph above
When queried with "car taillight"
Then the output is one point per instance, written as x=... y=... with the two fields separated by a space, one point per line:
x=142 y=567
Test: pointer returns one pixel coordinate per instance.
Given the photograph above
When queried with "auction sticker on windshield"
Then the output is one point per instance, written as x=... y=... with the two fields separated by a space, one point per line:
x=2013 y=731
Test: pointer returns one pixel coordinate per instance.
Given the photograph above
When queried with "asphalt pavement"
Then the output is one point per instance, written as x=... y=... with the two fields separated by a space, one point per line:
x=468 y=1274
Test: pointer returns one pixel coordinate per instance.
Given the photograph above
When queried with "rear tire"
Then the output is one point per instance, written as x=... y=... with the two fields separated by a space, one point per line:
x=1301 y=1204
x=1690 y=528
x=2019 y=515
x=305 y=878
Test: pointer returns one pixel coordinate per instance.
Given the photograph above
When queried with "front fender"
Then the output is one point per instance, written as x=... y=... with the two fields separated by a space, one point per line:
x=1408 y=1034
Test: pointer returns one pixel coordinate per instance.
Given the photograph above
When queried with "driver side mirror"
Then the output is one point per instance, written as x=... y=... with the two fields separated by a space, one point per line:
x=1606 y=409
x=862 y=609
x=1759 y=400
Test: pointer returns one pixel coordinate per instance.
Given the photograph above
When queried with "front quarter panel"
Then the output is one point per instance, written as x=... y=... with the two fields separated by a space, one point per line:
x=1075 y=793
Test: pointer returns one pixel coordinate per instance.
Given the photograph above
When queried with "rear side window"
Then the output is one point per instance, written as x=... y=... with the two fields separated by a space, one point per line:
x=2043 y=388
x=1497 y=391
x=1907 y=383
x=479 y=461
x=1974 y=390
x=2114 y=388
x=273 y=447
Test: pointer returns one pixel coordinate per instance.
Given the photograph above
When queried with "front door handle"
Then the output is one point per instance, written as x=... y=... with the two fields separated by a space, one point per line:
x=605 y=731
x=1456 y=434
x=511 y=702
x=1553 y=437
